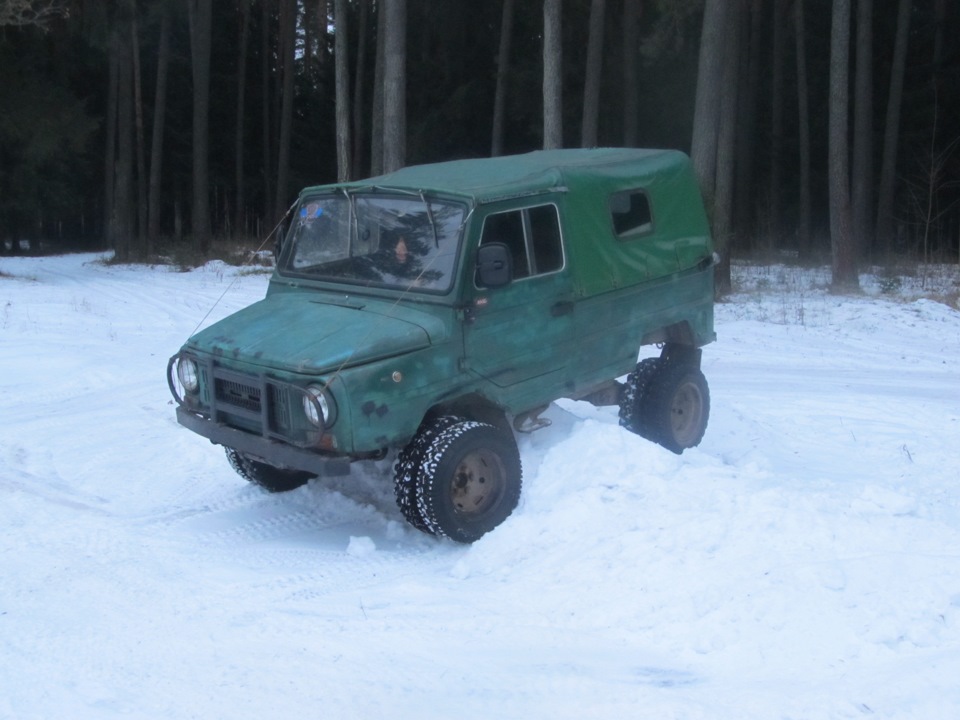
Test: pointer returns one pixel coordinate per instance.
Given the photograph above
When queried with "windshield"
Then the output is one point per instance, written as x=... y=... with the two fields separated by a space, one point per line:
x=382 y=240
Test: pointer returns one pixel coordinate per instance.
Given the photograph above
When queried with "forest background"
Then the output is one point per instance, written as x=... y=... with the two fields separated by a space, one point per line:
x=818 y=128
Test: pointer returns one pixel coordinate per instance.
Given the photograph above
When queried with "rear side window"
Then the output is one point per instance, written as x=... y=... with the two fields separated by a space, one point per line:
x=630 y=212
x=533 y=237
x=545 y=237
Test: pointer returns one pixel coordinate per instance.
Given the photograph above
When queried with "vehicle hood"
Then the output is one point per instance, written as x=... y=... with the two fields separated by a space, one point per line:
x=305 y=333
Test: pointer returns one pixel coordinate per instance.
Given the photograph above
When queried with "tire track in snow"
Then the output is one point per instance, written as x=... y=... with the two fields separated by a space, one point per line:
x=51 y=491
x=250 y=516
x=303 y=545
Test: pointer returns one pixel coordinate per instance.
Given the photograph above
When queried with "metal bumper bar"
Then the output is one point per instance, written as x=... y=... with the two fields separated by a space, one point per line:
x=270 y=451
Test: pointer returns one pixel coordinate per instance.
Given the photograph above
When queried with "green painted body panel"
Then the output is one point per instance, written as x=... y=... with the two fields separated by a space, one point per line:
x=309 y=333
x=389 y=356
x=355 y=347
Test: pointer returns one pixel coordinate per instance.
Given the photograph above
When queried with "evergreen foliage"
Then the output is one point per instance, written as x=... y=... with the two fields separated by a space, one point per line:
x=63 y=112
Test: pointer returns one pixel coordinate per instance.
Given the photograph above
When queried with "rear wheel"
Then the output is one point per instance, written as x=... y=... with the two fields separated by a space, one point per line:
x=678 y=407
x=633 y=401
x=270 y=478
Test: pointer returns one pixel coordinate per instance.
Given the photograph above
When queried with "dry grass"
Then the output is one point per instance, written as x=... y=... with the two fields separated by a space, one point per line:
x=788 y=293
x=185 y=256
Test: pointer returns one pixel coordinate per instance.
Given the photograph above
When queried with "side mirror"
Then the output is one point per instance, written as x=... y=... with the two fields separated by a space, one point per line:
x=494 y=265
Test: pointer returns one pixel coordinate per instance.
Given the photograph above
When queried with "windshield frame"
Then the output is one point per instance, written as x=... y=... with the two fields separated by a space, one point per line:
x=433 y=224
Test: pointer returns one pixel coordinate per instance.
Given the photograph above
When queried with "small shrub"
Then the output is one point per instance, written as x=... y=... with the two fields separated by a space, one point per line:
x=890 y=284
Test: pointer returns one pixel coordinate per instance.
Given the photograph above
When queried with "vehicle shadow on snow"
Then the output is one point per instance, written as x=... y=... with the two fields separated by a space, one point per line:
x=356 y=514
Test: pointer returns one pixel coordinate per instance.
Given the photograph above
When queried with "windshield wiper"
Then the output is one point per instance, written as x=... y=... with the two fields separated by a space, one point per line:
x=354 y=228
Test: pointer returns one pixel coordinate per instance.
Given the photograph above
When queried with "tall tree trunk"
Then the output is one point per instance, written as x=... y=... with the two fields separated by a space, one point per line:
x=110 y=152
x=503 y=67
x=706 y=116
x=376 y=120
x=746 y=196
x=862 y=178
x=360 y=72
x=804 y=245
x=726 y=143
x=842 y=246
x=891 y=134
x=552 y=75
x=342 y=70
x=159 y=117
x=265 y=114
x=140 y=247
x=124 y=174
x=238 y=141
x=632 y=11
x=776 y=124
x=288 y=48
x=927 y=205
x=201 y=26
x=395 y=86
x=591 y=85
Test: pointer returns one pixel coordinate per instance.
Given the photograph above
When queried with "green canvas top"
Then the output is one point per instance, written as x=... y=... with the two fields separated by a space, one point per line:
x=487 y=179
x=582 y=182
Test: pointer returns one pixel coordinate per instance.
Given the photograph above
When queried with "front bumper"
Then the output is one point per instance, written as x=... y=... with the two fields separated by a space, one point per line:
x=269 y=451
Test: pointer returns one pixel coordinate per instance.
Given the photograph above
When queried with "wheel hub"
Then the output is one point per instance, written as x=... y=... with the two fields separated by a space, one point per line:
x=477 y=482
x=685 y=412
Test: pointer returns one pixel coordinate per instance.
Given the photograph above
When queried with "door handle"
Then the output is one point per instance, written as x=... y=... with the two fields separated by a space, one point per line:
x=564 y=307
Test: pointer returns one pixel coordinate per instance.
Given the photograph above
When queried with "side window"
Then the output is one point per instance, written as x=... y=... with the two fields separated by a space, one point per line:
x=533 y=237
x=545 y=231
x=507 y=228
x=630 y=212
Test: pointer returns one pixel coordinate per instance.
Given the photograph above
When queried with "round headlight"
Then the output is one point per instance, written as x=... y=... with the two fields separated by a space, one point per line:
x=188 y=374
x=314 y=398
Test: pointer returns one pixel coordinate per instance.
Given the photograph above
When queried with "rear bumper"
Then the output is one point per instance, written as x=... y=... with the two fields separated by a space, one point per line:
x=270 y=451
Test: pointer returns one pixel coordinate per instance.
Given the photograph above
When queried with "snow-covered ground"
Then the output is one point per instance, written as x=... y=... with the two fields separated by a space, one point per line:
x=802 y=563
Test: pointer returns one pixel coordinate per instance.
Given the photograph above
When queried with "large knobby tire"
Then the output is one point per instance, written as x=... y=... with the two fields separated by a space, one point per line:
x=469 y=482
x=270 y=478
x=677 y=407
x=633 y=400
x=409 y=466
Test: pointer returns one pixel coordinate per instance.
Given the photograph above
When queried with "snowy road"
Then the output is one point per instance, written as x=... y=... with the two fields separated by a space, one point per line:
x=803 y=562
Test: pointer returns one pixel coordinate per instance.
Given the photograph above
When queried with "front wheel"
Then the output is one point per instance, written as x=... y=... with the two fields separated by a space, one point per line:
x=409 y=468
x=270 y=478
x=469 y=482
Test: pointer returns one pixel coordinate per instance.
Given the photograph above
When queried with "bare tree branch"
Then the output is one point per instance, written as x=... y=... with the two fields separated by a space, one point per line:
x=31 y=12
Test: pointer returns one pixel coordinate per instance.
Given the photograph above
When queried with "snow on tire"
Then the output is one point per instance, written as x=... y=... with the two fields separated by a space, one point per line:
x=470 y=481
x=633 y=403
x=409 y=465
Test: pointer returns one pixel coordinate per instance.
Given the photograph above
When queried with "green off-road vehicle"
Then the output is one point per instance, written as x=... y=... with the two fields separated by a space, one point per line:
x=434 y=311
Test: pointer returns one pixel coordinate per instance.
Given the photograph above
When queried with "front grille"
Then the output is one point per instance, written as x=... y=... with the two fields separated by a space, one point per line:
x=257 y=404
x=230 y=392
x=280 y=407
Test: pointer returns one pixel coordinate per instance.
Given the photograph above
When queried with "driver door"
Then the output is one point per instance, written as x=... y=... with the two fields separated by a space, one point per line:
x=520 y=336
